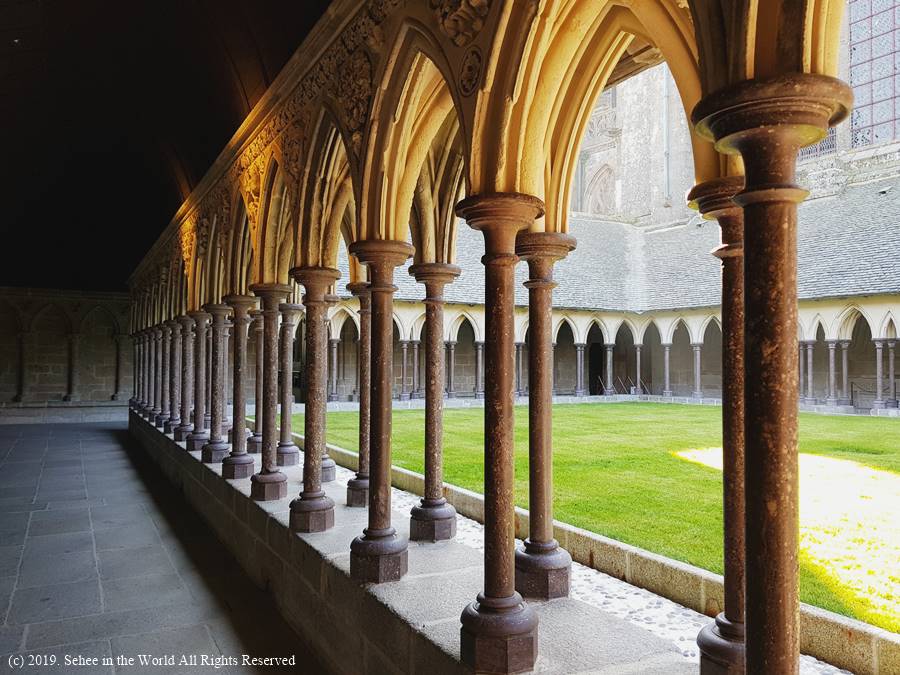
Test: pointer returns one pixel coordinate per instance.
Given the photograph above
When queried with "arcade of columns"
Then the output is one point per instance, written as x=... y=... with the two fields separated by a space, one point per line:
x=396 y=116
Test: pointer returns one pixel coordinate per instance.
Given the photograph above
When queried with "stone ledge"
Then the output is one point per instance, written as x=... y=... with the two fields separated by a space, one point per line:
x=841 y=641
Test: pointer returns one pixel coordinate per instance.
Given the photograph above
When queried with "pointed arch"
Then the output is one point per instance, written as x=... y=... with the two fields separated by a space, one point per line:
x=340 y=316
x=275 y=240
x=104 y=312
x=559 y=322
x=888 y=326
x=239 y=251
x=54 y=309
x=456 y=324
x=704 y=326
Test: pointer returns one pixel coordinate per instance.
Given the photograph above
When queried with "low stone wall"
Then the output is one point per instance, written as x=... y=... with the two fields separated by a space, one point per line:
x=55 y=412
x=847 y=643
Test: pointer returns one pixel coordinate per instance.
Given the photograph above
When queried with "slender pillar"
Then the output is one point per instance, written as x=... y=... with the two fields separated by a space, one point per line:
x=698 y=389
x=845 y=374
x=269 y=484
x=200 y=433
x=610 y=385
x=499 y=631
x=313 y=511
x=433 y=519
x=767 y=121
x=254 y=443
x=358 y=487
x=802 y=391
x=637 y=369
x=207 y=414
x=185 y=427
x=142 y=372
x=542 y=566
x=21 y=391
x=832 y=373
x=380 y=553
x=579 y=369
x=165 y=351
x=239 y=464
x=415 y=368
x=810 y=387
x=667 y=382
x=174 y=378
x=215 y=449
x=879 y=374
x=451 y=369
x=404 y=358
x=722 y=643
x=288 y=454
x=135 y=372
x=333 y=344
x=157 y=375
x=120 y=339
x=226 y=378
x=892 y=381
x=479 y=370
x=72 y=381
x=519 y=389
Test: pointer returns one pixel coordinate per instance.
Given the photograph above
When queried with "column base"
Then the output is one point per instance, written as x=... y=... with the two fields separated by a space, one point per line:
x=182 y=431
x=696 y=394
x=844 y=401
x=171 y=425
x=891 y=403
x=196 y=440
x=358 y=492
x=237 y=466
x=207 y=420
x=432 y=520
x=810 y=400
x=404 y=397
x=830 y=401
x=214 y=452
x=312 y=514
x=160 y=421
x=287 y=454
x=668 y=394
x=378 y=556
x=329 y=469
x=579 y=392
x=499 y=635
x=479 y=394
x=543 y=570
x=721 y=647
x=332 y=397
x=267 y=487
x=254 y=444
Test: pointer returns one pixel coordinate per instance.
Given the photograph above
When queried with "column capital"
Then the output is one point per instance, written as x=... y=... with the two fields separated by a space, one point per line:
x=500 y=216
x=334 y=341
x=879 y=342
x=289 y=313
x=185 y=321
x=665 y=344
x=434 y=274
x=381 y=256
x=315 y=281
x=542 y=250
x=358 y=288
x=714 y=199
x=241 y=304
x=217 y=309
x=808 y=343
x=845 y=344
x=832 y=343
x=271 y=294
x=696 y=345
x=199 y=317
x=609 y=345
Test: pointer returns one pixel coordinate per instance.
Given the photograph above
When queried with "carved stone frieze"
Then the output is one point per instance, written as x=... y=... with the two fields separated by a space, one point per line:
x=461 y=20
x=470 y=72
x=354 y=94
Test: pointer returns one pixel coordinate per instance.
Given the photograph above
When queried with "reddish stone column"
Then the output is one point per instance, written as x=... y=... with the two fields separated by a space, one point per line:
x=200 y=433
x=542 y=567
x=183 y=430
x=479 y=370
x=166 y=344
x=215 y=449
x=207 y=413
x=313 y=510
x=433 y=519
x=254 y=443
x=358 y=487
x=174 y=378
x=380 y=554
x=404 y=358
x=415 y=374
x=451 y=369
x=499 y=631
x=288 y=453
x=333 y=344
x=329 y=468
x=156 y=356
x=767 y=122
x=722 y=643
x=269 y=484
x=239 y=464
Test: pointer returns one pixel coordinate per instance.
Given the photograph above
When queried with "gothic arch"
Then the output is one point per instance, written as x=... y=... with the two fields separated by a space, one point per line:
x=57 y=310
x=274 y=249
x=456 y=324
x=564 y=319
x=844 y=323
x=339 y=318
x=104 y=311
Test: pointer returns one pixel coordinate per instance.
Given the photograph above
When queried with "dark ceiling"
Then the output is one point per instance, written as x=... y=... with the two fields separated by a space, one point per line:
x=111 y=111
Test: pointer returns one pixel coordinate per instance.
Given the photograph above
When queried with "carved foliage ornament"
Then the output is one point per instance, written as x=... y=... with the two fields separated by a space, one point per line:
x=188 y=241
x=470 y=72
x=354 y=93
x=461 y=20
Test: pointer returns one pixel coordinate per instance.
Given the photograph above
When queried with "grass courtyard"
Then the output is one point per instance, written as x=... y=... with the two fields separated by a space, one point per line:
x=650 y=475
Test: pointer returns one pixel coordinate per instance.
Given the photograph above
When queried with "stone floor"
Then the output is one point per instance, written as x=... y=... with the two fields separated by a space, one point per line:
x=99 y=556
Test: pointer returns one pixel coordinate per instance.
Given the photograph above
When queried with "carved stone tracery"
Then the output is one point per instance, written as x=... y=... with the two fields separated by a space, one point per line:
x=461 y=20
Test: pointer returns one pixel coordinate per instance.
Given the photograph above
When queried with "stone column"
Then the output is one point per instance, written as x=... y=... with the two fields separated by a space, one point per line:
x=553 y=389
x=141 y=402
x=239 y=464
x=215 y=449
x=333 y=369
x=767 y=121
x=313 y=511
x=845 y=373
x=892 y=381
x=451 y=369
x=637 y=368
x=135 y=371
x=185 y=427
x=200 y=433
x=499 y=631
x=288 y=454
x=802 y=391
x=879 y=374
x=358 y=487
x=380 y=554
x=174 y=378
x=415 y=365
x=207 y=414
x=722 y=643
x=579 y=369
x=254 y=443
x=698 y=388
x=810 y=387
x=404 y=353
x=832 y=374
x=433 y=519
x=166 y=344
x=72 y=371
x=156 y=356
x=21 y=389
x=542 y=566
x=269 y=484
x=519 y=389
x=479 y=370
x=226 y=378
x=667 y=383
x=117 y=386
x=610 y=389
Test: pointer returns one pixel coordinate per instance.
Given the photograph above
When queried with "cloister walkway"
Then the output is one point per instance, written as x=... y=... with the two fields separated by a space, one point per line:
x=99 y=555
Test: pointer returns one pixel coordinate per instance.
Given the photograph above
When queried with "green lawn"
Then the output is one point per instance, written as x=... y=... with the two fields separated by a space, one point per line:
x=617 y=472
